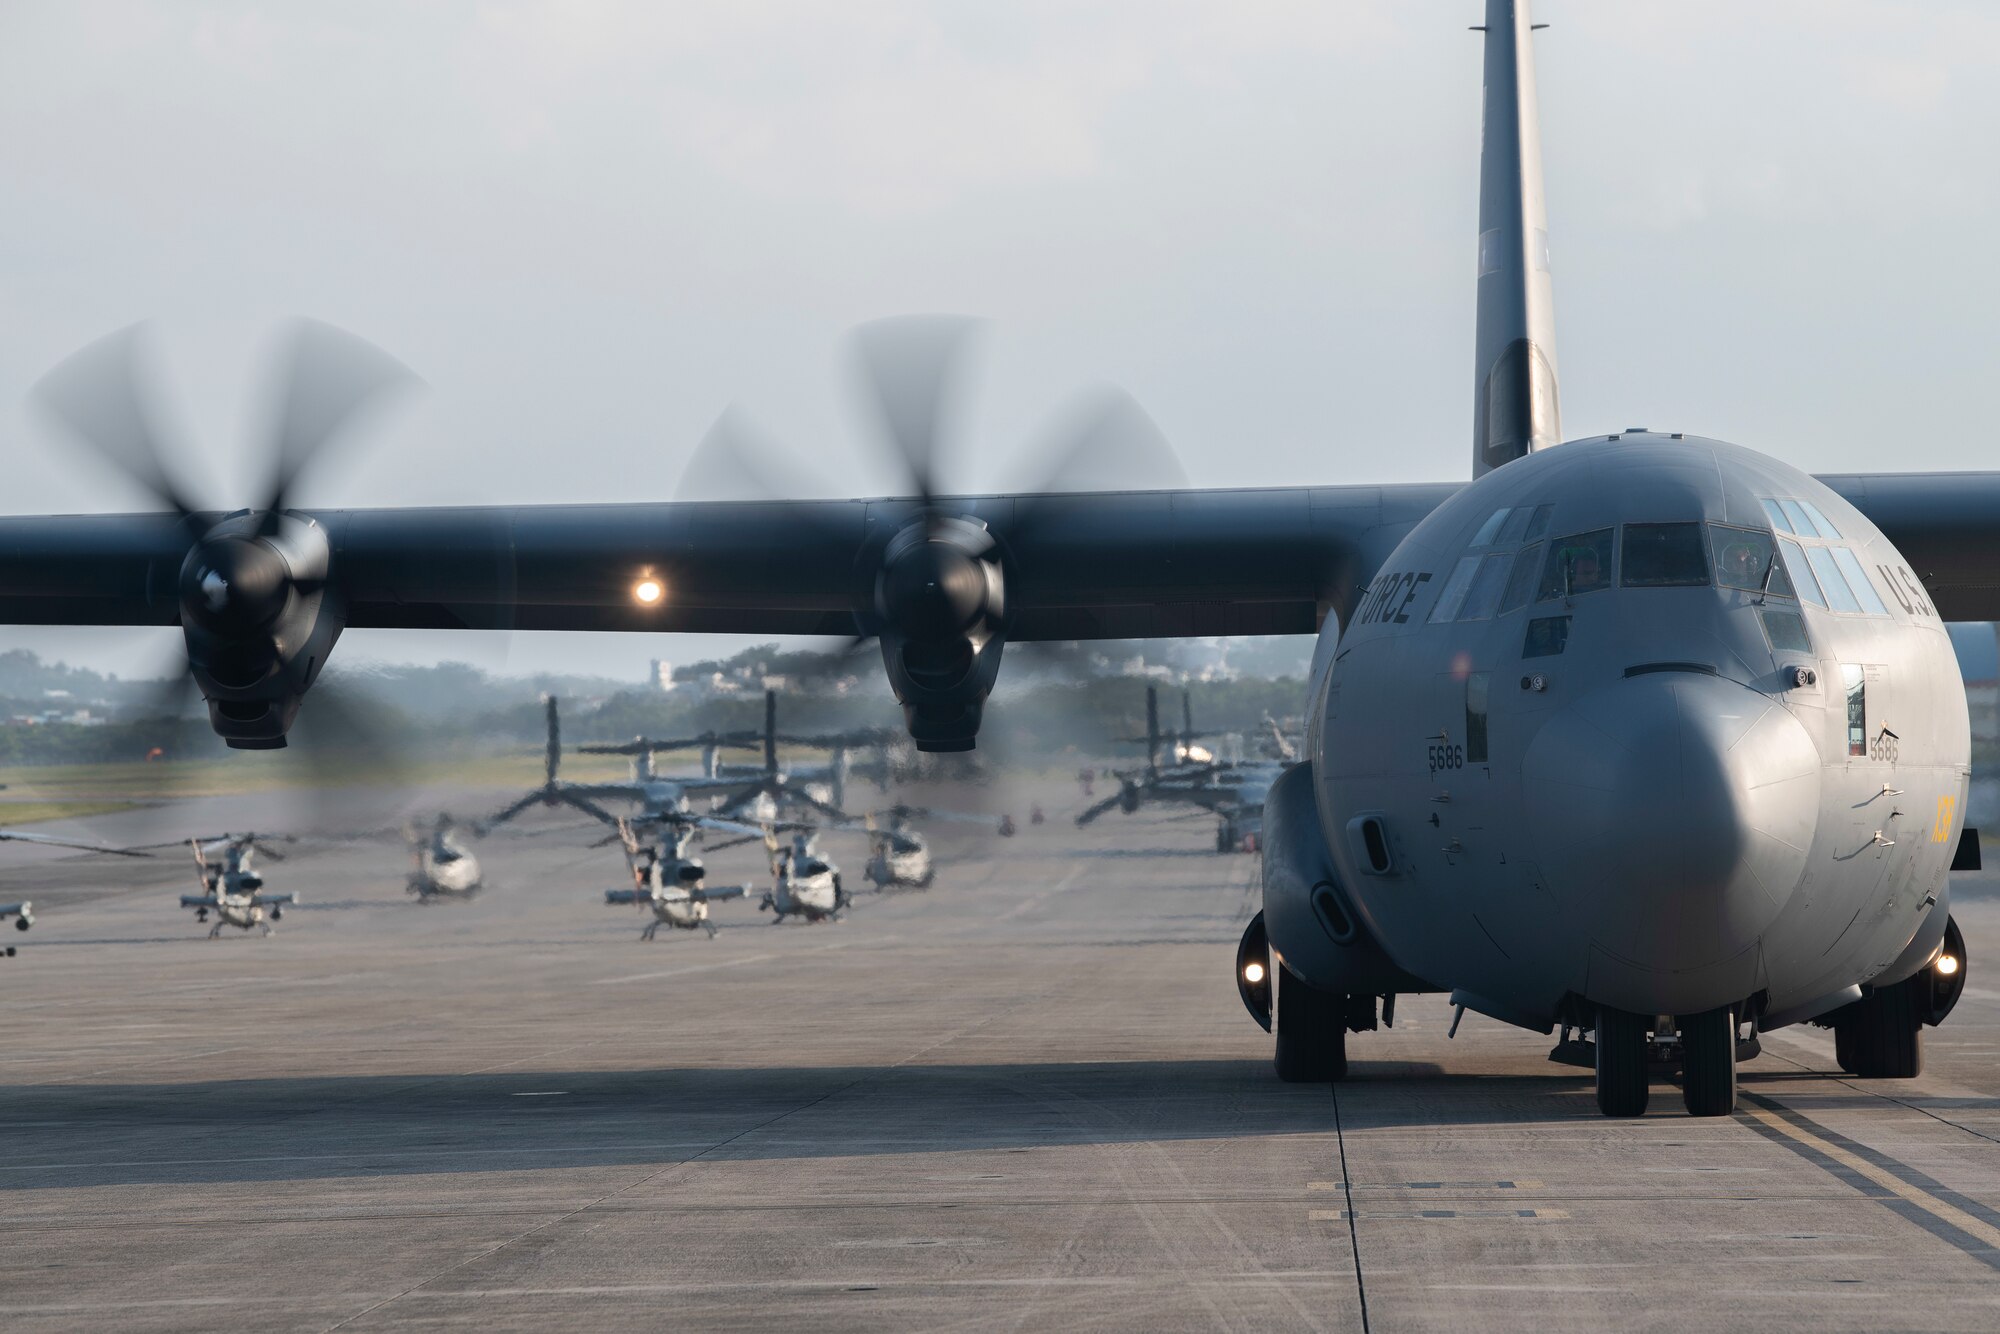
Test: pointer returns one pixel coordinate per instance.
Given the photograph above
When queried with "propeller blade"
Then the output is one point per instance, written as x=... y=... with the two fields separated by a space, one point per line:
x=510 y=811
x=100 y=395
x=326 y=378
x=1092 y=812
x=51 y=840
x=1104 y=442
x=586 y=805
x=552 y=756
x=907 y=367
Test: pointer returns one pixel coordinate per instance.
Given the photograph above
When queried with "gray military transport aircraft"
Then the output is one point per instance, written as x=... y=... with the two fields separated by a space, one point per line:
x=1649 y=736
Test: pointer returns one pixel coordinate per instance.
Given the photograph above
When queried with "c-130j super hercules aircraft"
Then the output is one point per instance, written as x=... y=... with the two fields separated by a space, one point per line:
x=1651 y=737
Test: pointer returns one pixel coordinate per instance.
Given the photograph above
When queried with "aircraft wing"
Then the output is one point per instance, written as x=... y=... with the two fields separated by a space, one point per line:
x=1947 y=524
x=1108 y=565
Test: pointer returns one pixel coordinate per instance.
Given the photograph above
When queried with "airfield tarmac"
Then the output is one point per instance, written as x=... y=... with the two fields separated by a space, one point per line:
x=1027 y=1098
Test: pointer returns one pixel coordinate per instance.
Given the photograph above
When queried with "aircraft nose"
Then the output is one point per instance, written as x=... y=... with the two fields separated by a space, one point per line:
x=1672 y=813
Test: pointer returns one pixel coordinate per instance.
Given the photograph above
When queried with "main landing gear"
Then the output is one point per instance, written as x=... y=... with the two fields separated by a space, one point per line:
x=1880 y=1036
x=1311 y=1027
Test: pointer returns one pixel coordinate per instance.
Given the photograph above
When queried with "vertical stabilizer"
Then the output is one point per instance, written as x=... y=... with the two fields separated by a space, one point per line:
x=1515 y=408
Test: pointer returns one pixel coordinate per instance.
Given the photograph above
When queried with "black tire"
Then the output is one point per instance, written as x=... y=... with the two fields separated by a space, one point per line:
x=1708 y=1062
x=1884 y=1032
x=1843 y=1046
x=1311 y=1026
x=1622 y=1089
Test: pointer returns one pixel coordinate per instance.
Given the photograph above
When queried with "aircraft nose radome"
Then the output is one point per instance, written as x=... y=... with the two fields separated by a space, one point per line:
x=1672 y=813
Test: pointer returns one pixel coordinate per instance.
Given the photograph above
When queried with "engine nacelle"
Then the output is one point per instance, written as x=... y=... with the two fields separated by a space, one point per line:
x=1306 y=917
x=939 y=608
x=259 y=622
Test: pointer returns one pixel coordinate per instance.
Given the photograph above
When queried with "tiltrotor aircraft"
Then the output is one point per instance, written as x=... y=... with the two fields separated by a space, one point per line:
x=232 y=888
x=1645 y=735
x=669 y=879
x=655 y=794
x=1229 y=787
x=441 y=865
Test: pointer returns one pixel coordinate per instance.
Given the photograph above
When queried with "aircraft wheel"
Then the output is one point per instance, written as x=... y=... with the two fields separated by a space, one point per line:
x=1884 y=1033
x=1311 y=1026
x=1843 y=1046
x=1621 y=1063
x=1708 y=1070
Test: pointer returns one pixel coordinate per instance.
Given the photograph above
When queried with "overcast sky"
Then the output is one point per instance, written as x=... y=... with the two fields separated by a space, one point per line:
x=592 y=226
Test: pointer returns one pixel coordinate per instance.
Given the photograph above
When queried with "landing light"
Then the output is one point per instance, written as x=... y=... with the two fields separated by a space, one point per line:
x=1946 y=965
x=648 y=592
x=1253 y=972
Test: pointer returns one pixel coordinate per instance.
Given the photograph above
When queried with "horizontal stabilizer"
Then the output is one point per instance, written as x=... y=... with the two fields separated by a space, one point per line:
x=626 y=896
x=716 y=893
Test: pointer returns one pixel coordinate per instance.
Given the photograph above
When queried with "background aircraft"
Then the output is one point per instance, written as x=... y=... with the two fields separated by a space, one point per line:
x=1522 y=786
x=667 y=878
x=232 y=887
x=442 y=866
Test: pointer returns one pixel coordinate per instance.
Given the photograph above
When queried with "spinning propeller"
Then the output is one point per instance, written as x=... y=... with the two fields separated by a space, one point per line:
x=931 y=580
x=254 y=602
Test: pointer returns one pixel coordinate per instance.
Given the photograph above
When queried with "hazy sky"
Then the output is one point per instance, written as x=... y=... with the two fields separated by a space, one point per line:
x=592 y=226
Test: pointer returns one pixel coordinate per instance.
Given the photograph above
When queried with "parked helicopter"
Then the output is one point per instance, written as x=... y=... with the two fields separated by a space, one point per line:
x=232 y=888
x=442 y=866
x=666 y=878
x=805 y=884
x=899 y=856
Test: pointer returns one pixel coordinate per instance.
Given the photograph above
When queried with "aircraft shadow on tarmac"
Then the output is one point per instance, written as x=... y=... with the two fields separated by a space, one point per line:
x=272 y=1130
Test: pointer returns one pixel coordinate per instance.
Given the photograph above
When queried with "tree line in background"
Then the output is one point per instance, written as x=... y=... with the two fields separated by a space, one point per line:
x=1065 y=701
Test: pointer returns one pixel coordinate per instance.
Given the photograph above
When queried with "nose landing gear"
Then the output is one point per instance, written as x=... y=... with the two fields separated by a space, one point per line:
x=1628 y=1048
x=1708 y=1062
x=1621 y=1062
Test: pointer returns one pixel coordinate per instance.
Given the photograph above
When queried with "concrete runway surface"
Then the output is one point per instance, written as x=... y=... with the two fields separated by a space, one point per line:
x=1027 y=1098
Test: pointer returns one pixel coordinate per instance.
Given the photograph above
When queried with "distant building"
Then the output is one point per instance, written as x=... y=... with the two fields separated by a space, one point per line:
x=663 y=675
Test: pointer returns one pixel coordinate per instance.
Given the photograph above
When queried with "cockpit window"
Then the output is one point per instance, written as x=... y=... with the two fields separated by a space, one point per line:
x=1577 y=564
x=1484 y=596
x=1546 y=637
x=1821 y=523
x=1838 y=595
x=1746 y=558
x=1522 y=582
x=1777 y=516
x=1858 y=581
x=1453 y=595
x=1489 y=531
x=1795 y=559
x=1664 y=555
x=1538 y=526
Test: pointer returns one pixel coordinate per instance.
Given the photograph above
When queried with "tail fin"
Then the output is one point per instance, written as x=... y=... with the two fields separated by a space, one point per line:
x=1516 y=408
